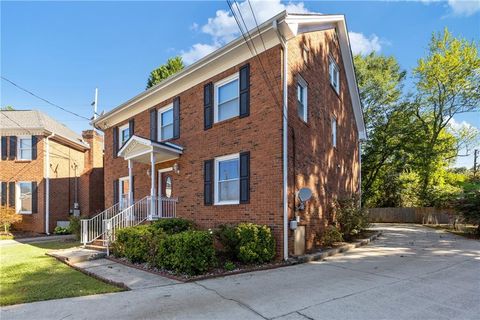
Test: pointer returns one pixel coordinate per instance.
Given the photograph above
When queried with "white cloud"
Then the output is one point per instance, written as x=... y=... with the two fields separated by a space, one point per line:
x=364 y=45
x=464 y=7
x=198 y=51
x=223 y=28
x=458 y=126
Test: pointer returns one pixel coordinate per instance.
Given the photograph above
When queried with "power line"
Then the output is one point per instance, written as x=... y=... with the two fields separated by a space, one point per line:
x=45 y=100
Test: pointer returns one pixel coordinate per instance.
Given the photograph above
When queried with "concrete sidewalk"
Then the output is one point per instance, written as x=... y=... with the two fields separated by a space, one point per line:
x=411 y=272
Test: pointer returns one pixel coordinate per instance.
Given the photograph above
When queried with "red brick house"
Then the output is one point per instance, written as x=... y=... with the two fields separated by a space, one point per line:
x=234 y=136
x=47 y=171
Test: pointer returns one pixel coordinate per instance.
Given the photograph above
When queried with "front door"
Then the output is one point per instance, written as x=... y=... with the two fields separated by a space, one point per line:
x=124 y=191
x=165 y=193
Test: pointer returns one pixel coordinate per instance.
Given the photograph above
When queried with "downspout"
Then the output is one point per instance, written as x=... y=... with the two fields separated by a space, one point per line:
x=47 y=183
x=285 y=140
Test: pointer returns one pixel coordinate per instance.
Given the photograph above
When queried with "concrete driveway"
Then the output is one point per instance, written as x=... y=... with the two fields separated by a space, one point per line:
x=411 y=272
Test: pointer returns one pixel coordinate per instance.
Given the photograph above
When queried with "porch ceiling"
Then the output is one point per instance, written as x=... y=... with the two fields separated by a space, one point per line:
x=140 y=149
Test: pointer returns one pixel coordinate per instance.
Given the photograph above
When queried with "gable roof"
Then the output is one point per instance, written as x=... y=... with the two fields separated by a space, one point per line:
x=16 y=122
x=234 y=53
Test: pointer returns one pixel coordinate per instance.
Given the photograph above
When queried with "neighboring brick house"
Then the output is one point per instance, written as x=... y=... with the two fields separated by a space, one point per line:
x=47 y=171
x=213 y=136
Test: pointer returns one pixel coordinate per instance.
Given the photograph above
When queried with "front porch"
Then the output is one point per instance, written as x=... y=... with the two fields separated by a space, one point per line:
x=161 y=201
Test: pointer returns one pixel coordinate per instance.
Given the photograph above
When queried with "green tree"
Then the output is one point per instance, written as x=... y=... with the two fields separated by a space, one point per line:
x=7 y=108
x=447 y=84
x=161 y=73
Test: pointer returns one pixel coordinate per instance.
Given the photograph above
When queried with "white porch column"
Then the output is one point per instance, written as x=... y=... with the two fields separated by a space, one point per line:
x=130 y=185
x=152 y=178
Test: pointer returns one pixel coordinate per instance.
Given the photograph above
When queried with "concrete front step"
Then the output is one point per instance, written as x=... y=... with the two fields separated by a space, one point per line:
x=76 y=255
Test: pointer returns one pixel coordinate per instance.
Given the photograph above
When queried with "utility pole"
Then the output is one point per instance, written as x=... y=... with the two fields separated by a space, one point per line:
x=475 y=158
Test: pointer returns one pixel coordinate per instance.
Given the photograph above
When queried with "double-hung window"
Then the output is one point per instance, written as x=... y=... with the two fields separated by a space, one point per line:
x=24 y=197
x=334 y=132
x=226 y=98
x=227 y=179
x=302 y=99
x=124 y=134
x=24 y=151
x=165 y=120
x=334 y=74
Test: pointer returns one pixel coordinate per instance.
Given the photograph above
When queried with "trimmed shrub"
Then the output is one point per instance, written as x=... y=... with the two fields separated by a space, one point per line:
x=229 y=266
x=173 y=225
x=61 y=230
x=135 y=243
x=331 y=235
x=247 y=242
x=189 y=252
x=74 y=226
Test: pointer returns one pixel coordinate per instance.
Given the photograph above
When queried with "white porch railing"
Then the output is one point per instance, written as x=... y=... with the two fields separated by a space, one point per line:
x=164 y=207
x=92 y=229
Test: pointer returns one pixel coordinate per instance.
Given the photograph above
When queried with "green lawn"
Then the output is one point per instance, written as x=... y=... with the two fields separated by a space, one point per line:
x=27 y=274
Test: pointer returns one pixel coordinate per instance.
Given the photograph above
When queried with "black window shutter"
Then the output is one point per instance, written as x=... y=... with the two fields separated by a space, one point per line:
x=115 y=191
x=208 y=182
x=11 y=194
x=4 y=148
x=133 y=189
x=244 y=91
x=34 y=197
x=13 y=147
x=34 y=147
x=245 y=177
x=115 y=142
x=208 y=105
x=153 y=124
x=176 y=118
x=131 y=127
x=4 y=194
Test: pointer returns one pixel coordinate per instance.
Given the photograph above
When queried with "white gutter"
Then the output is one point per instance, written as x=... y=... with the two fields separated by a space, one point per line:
x=47 y=183
x=285 y=141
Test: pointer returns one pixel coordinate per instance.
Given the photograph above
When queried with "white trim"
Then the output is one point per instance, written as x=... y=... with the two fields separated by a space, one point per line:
x=159 y=121
x=19 y=148
x=302 y=83
x=121 y=142
x=334 y=125
x=18 y=194
x=216 y=180
x=217 y=86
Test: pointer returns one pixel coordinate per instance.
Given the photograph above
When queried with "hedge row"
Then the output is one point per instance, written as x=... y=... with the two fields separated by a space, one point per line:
x=174 y=245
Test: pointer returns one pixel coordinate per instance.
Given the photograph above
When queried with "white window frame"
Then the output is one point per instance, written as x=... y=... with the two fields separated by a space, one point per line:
x=334 y=131
x=18 y=204
x=301 y=82
x=334 y=74
x=216 y=180
x=217 y=86
x=20 y=149
x=121 y=142
x=160 y=112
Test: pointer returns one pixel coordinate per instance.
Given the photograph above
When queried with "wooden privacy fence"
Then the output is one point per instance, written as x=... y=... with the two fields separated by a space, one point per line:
x=412 y=215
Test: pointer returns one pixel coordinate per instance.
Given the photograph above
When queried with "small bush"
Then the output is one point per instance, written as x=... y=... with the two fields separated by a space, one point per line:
x=174 y=225
x=189 y=252
x=229 y=266
x=61 y=230
x=247 y=242
x=135 y=243
x=8 y=216
x=331 y=235
x=351 y=218
x=74 y=226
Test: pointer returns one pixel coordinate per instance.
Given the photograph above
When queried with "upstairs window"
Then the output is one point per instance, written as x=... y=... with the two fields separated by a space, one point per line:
x=302 y=99
x=334 y=132
x=124 y=134
x=24 y=151
x=226 y=98
x=165 y=120
x=227 y=179
x=334 y=73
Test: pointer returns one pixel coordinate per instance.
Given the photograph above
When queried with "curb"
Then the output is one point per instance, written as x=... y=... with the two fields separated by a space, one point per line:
x=331 y=252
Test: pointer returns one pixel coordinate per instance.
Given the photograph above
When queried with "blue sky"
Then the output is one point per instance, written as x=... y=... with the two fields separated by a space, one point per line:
x=63 y=50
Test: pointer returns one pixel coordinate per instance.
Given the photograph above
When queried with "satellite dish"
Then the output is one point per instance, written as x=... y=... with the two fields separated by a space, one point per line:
x=304 y=194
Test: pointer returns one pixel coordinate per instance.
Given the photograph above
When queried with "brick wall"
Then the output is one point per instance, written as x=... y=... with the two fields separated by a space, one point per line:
x=313 y=161
x=260 y=133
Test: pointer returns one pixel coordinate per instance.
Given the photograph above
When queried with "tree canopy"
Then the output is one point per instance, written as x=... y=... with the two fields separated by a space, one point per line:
x=172 y=66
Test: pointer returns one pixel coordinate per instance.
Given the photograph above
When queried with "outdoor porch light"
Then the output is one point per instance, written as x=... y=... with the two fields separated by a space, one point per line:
x=175 y=168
